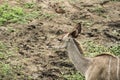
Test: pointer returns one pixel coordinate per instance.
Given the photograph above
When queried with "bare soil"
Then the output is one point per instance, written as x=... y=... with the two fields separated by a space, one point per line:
x=33 y=41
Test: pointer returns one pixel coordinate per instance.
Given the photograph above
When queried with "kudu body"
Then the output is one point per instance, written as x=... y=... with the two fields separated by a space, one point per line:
x=101 y=67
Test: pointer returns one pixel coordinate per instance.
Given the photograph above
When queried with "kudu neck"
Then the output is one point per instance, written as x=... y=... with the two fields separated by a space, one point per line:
x=77 y=45
x=75 y=54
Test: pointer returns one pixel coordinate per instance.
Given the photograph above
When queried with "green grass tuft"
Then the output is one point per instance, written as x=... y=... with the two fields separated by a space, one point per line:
x=29 y=5
x=5 y=69
x=93 y=49
x=10 y=14
x=115 y=50
x=15 y=14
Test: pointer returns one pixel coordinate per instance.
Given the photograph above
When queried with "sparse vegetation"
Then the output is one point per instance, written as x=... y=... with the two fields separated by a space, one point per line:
x=93 y=49
x=5 y=71
x=29 y=5
x=115 y=50
x=8 y=71
x=26 y=43
x=10 y=14
x=18 y=15
x=15 y=14
x=46 y=16
x=75 y=76
x=100 y=11
x=4 y=52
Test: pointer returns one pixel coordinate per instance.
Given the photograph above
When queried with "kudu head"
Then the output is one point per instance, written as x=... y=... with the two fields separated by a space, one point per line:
x=73 y=34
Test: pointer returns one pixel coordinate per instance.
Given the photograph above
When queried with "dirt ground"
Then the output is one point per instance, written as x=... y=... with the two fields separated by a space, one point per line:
x=32 y=42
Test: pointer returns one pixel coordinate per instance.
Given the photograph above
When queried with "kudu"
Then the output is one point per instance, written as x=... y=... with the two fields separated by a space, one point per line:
x=100 y=67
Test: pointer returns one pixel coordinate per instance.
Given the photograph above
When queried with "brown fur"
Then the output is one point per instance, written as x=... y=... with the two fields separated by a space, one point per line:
x=100 y=67
x=96 y=68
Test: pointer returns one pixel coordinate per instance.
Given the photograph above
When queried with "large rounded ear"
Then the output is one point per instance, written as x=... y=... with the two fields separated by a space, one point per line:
x=76 y=31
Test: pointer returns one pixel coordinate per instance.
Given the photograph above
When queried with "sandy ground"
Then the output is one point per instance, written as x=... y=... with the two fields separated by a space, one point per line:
x=32 y=42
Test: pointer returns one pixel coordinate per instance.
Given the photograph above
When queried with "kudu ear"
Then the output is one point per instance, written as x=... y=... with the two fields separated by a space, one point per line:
x=76 y=31
x=74 y=34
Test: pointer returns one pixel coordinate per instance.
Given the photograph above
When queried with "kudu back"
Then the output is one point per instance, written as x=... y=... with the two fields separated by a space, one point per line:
x=100 y=67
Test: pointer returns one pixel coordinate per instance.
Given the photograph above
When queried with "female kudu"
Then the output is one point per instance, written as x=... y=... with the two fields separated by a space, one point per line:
x=100 y=67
